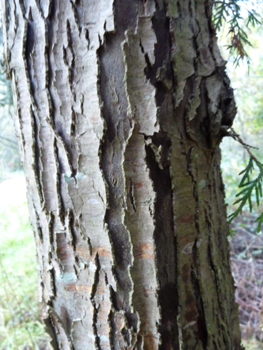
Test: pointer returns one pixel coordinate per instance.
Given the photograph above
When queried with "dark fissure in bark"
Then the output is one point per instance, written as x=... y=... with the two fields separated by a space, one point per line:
x=162 y=62
x=117 y=130
x=92 y=296
x=164 y=241
x=162 y=78
x=37 y=156
x=201 y=325
x=111 y=159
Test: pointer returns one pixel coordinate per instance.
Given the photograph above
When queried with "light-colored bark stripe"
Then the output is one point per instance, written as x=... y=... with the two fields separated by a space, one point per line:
x=61 y=103
x=75 y=56
x=139 y=217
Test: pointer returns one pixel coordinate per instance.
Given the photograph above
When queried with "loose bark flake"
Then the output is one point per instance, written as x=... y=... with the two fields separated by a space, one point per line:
x=121 y=107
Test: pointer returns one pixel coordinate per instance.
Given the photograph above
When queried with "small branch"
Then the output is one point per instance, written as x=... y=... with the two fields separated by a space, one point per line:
x=7 y=139
x=8 y=145
x=252 y=307
x=225 y=3
x=237 y=137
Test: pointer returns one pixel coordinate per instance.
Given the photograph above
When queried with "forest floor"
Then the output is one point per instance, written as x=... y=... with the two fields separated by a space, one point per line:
x=247 y=268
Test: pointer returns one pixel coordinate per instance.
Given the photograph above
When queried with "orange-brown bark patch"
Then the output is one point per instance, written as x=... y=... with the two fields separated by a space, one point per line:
x=144 y=250
x=187 y=218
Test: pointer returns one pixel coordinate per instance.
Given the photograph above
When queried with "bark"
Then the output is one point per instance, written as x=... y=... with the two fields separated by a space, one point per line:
x=121 y=106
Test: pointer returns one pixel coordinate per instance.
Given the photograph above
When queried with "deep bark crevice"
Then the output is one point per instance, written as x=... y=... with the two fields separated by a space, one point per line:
x=116 y=134
x=96 y=308
x=164 y=239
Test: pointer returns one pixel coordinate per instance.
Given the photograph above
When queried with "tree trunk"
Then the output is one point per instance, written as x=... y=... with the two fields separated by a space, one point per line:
x=121 y=106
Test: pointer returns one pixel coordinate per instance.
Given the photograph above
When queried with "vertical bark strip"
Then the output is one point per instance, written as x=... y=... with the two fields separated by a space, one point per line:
x=121 y=106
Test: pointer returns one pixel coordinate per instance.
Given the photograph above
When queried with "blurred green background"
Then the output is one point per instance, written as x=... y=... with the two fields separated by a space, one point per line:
x=20 y=310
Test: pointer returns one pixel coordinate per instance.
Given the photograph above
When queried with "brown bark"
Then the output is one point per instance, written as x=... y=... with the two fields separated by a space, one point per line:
x=121 y=106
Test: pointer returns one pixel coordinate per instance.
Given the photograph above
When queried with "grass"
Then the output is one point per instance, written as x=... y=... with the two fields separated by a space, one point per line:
x=252 y=344
x=20 y=325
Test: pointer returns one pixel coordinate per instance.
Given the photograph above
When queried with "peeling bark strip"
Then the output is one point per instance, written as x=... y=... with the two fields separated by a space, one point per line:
x=121 y=106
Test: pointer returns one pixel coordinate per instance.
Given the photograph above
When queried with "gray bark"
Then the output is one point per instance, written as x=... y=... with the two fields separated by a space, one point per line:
x=121 y=106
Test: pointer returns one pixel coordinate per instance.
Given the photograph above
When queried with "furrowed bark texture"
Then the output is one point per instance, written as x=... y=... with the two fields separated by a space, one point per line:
x=121 y=106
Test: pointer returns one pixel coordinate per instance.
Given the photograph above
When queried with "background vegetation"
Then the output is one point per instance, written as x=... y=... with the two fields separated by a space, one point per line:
x=20 y=310
x=246 y=243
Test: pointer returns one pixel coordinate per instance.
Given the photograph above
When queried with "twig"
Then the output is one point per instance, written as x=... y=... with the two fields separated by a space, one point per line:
x=237 y=137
